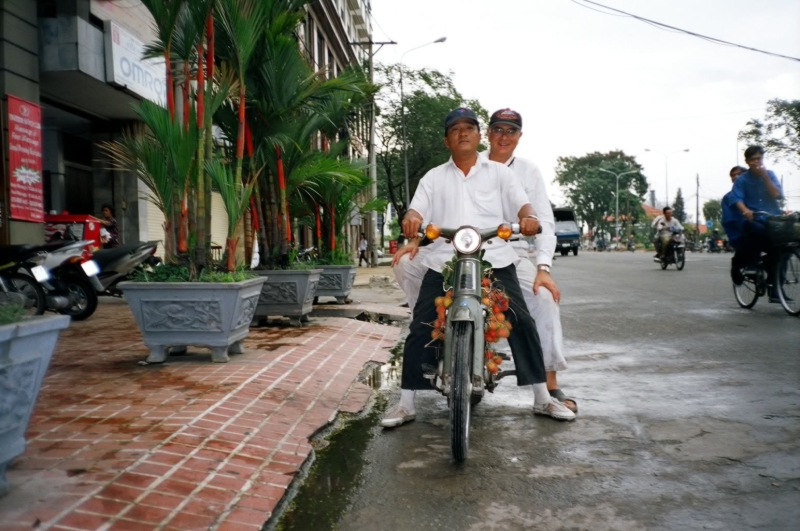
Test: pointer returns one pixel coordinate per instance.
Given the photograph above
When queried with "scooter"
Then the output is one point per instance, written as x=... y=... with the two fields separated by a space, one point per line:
x=118 y=264
x=675 y=252
x=72 y=290
x=22 y=271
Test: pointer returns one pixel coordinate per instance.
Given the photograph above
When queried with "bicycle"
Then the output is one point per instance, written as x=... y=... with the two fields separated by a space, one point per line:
x=784 y=236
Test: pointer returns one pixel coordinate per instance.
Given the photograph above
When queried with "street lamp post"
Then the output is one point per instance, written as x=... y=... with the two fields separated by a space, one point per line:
x=666 y=167
x=616 y=212
x=403 y=114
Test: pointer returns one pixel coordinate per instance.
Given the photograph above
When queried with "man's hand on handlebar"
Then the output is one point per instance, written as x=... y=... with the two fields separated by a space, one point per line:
x=411 y=247
x=411 y=224
x=529 y=226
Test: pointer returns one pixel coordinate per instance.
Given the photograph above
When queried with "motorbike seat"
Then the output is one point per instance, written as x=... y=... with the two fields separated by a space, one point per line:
x=108 y=256
x=18 y=253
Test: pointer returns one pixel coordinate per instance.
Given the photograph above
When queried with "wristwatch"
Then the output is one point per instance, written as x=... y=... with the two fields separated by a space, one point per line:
x=544 y=267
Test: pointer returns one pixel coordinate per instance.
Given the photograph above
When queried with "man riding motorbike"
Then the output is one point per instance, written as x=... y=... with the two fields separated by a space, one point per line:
x=505 y=130
x=662 y=224
x=470 y=190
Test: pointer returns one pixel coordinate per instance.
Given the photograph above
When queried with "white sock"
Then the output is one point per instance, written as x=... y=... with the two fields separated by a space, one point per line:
x=541 y=395
x=407 y=399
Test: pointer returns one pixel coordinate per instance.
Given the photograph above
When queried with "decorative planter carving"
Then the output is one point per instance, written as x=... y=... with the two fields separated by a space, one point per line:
x=288 y=294
x=175 y=315
x=336 y=281
x=25 y=351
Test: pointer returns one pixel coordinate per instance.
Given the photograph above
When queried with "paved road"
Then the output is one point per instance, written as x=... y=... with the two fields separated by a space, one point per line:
x=689 y=412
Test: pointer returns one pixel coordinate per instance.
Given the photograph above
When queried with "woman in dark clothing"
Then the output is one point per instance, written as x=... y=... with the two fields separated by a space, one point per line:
x=110 y=224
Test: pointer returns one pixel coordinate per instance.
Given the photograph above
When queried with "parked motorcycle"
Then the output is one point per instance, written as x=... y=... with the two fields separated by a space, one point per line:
x=118 y=264
x=22 y=270
x=461 y=374
x=676 y=251
x=632 y=245
x=72 y=290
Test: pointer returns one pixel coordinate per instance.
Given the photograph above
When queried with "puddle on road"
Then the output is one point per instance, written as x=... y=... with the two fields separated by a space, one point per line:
x=334 y=476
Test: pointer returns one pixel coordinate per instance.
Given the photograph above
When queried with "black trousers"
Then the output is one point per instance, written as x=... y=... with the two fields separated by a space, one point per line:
x=749 y=247
x=524 y=340
x=363 y=256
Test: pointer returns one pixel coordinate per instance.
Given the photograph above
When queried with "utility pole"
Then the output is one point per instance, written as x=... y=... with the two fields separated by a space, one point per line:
x=697 y=209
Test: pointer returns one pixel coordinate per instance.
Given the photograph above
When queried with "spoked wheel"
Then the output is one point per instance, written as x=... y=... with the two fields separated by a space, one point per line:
x=680 y=261
x=748 y=292
x=460 y=394
x=787 y=273
x=83 y=298
x=35 y=301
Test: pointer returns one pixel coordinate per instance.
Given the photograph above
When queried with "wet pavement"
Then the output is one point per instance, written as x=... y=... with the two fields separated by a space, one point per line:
x=689 y=419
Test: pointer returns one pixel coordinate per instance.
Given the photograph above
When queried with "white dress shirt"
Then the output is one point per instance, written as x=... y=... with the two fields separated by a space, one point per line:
x=490 y=194
x=533 y=182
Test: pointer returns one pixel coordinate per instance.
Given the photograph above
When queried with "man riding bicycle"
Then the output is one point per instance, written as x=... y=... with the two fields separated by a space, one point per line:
x=756 y=194
x=665 y=226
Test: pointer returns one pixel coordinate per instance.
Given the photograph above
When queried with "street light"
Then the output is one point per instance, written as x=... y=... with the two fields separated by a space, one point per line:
x=666 y=167
x=616 y=214
x=403 y=114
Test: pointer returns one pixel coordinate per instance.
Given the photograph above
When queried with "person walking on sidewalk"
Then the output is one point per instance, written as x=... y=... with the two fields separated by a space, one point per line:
x=470 y=190
x=363 y=245
x=505 y=131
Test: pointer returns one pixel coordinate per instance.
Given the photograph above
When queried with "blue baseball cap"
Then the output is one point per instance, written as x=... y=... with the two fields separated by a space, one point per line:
x=462 y=113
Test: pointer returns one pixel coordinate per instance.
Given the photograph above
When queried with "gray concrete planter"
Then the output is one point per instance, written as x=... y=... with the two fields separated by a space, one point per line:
x=288 y=293
x=175 y=315
x=336 y=281
x=25 y=351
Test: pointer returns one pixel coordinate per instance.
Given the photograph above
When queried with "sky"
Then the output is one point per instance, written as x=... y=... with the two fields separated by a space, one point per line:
x=585 y=81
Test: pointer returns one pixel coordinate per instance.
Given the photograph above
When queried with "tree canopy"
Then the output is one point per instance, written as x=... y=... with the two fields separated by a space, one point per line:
x=712 y=211
x=679 y=207
x=591 y=192
x=429 y=95
x=779 y=132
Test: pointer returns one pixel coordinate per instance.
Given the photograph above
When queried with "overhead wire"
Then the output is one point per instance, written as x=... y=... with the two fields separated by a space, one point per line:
x=673 y=29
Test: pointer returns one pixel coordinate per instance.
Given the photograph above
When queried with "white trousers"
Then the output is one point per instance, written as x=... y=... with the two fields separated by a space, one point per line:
x=543 y=308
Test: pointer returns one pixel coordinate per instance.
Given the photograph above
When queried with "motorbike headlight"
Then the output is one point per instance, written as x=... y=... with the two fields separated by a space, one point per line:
x=467 y=241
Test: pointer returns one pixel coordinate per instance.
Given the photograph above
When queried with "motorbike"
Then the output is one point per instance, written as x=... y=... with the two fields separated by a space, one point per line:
x=462 y=375
x=8 y=297
x=632 y=245
x=676 y=251
x=72 y=290
x=23 y=270
x=118 y=264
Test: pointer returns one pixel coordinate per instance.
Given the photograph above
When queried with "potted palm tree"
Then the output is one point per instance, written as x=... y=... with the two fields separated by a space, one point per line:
x=26 y=345
x=187 y=301
x=295 y=111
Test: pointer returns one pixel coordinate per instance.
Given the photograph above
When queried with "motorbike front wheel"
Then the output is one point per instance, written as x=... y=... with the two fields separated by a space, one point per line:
x=460 y=404
x=83 y=299
x=680 y=260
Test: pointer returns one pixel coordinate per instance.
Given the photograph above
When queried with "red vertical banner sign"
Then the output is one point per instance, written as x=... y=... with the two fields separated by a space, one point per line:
x=25 y=198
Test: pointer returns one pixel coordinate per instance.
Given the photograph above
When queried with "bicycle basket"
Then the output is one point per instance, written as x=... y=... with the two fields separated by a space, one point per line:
x=783 y=229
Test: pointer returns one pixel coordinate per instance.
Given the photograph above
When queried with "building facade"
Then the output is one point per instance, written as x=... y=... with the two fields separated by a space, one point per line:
x=76 y=64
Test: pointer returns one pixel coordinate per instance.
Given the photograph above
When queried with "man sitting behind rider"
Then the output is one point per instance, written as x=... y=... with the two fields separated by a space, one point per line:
x=663 y=225
x=470 y=190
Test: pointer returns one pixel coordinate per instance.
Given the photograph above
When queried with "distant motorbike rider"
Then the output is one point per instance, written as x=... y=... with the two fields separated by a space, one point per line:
x=664 y=226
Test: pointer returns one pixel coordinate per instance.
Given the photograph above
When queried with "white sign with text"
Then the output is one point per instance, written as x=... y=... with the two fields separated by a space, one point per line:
x=126 y=68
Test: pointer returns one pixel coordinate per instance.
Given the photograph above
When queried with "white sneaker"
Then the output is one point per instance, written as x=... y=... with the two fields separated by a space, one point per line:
x=397 y=416
x=554 y=409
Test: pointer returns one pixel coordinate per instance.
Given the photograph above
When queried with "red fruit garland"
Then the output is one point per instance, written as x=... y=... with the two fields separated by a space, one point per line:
x=496 y=326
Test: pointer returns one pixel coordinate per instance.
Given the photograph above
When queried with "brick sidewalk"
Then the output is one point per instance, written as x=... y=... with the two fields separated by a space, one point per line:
x=114 y=445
